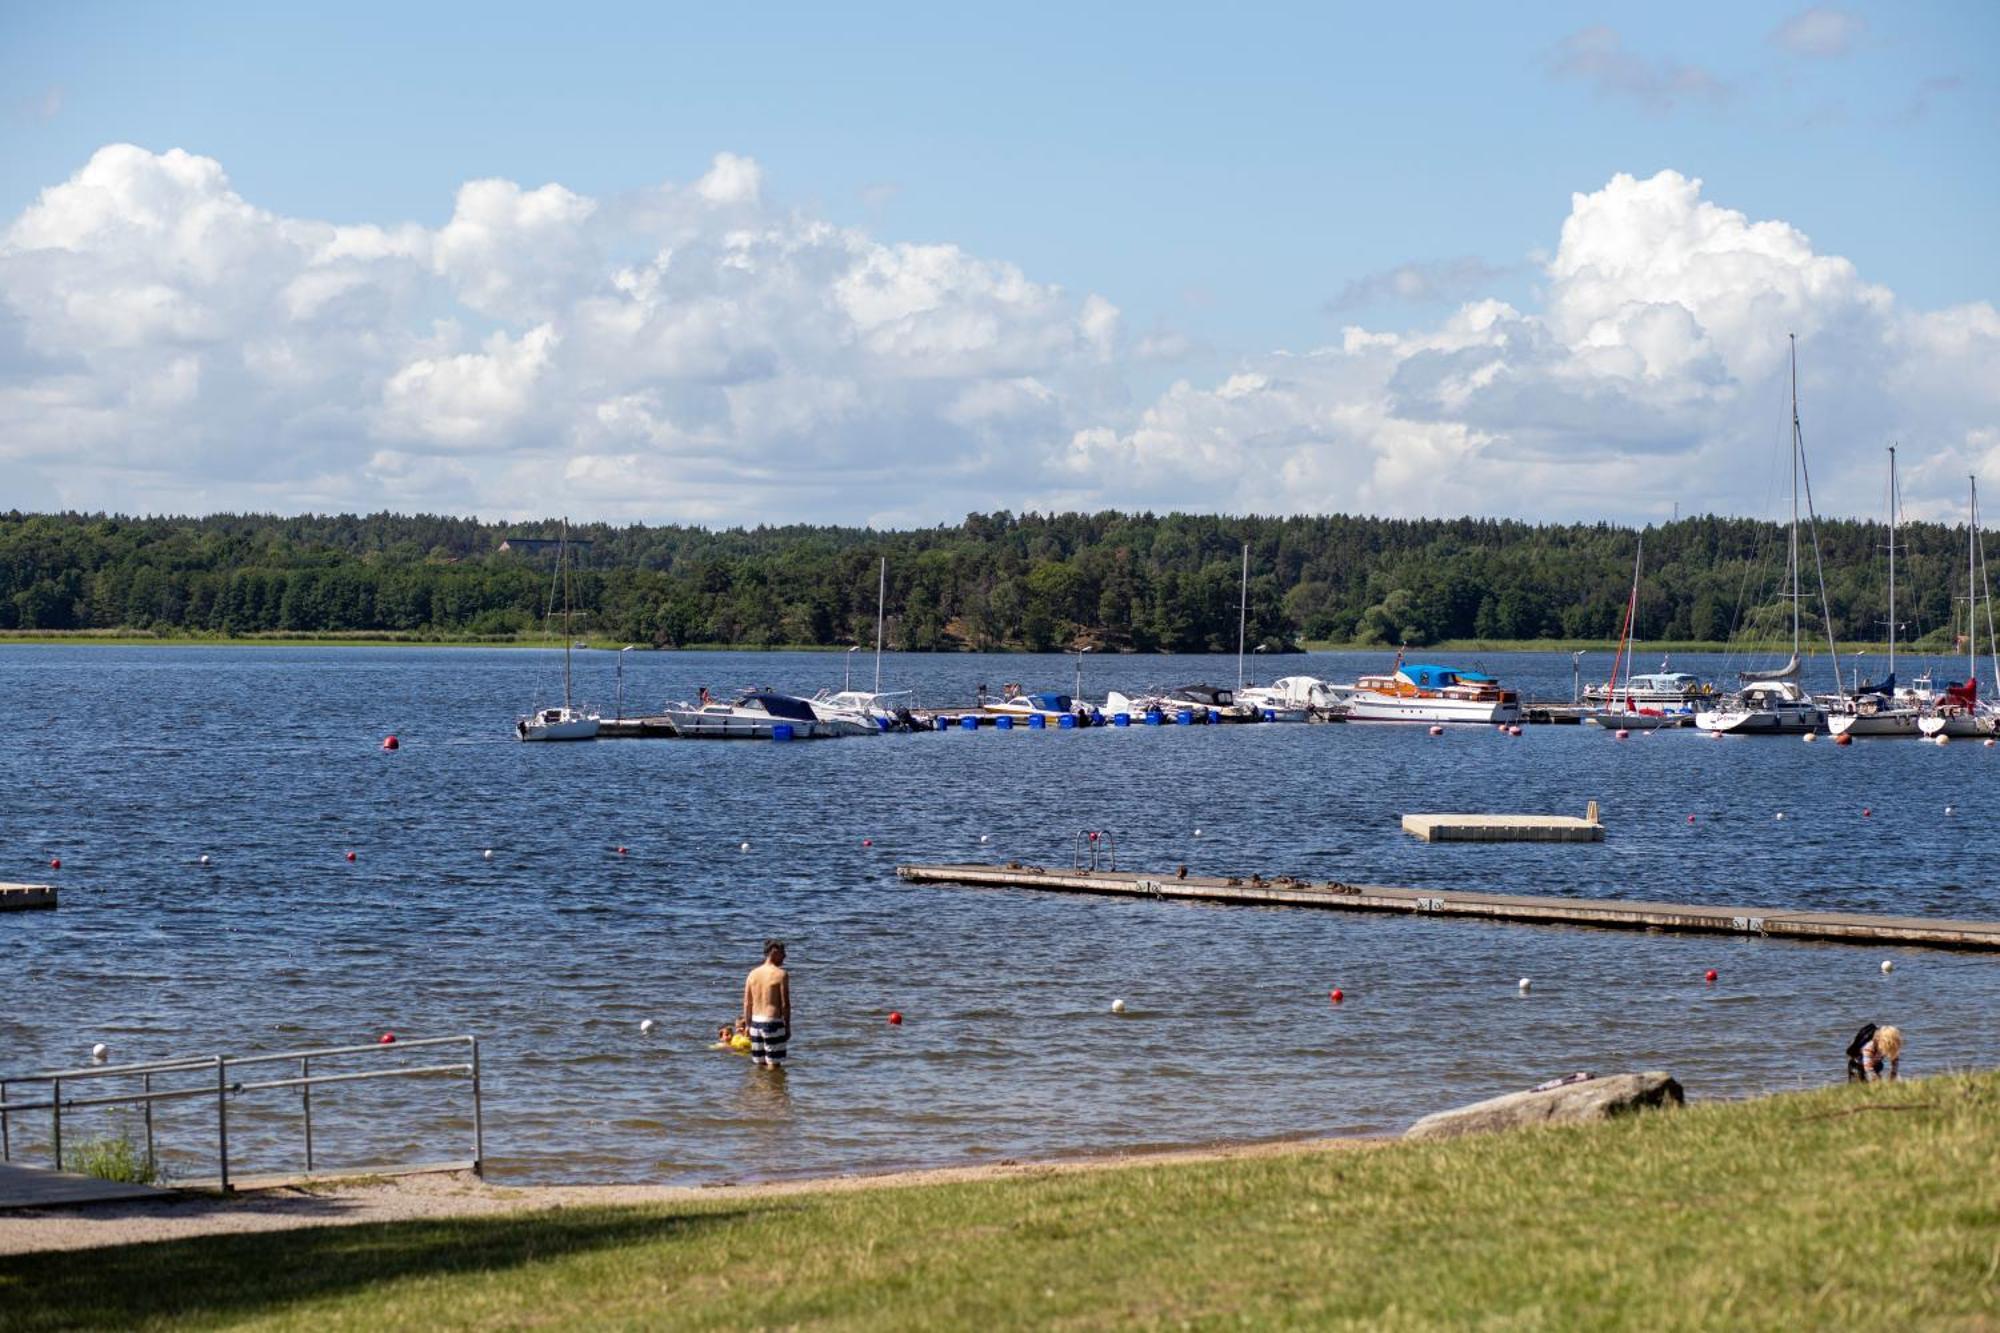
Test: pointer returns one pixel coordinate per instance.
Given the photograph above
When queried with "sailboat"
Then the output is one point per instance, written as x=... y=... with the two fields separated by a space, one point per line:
x=567 y=723
x=1771 y=702
x=1958 y=712
x=1879 y=710
x=1623 y=713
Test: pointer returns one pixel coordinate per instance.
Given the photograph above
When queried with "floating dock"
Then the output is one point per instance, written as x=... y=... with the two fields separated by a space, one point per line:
x=1609 y=913
x=1503 y=828
x=22 y=897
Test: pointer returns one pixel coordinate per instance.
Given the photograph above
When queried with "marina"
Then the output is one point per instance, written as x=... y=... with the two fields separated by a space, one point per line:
x=1290 y=891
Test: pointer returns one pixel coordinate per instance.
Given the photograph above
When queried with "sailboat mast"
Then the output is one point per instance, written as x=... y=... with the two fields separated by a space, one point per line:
x=1631 y=631
x=1242 y=614
x=1893 y=499
x=562 y=572
x=1972 y=585
x=881 y=606
x=1794 y=338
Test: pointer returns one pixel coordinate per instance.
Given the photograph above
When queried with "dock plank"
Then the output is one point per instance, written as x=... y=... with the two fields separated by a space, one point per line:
x=1609 y=913
x=41 y=1187
x=1503 y=828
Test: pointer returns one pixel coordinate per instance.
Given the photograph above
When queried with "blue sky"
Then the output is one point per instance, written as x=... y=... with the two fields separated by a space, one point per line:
x=1234 y=183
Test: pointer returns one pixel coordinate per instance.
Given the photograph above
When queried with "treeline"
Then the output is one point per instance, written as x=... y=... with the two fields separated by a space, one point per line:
x=1143 y=582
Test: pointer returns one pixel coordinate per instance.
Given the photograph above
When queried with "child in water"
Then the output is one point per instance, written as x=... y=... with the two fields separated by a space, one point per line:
x=728 y=1038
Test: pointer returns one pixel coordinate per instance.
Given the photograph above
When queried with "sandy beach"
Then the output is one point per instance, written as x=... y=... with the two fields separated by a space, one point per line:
x=365 y=1199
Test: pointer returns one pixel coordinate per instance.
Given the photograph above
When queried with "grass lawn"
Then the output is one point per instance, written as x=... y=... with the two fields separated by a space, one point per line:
x=1852 y=1207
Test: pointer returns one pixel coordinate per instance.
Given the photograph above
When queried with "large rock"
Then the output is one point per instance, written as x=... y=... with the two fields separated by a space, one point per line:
x=1572 y=1103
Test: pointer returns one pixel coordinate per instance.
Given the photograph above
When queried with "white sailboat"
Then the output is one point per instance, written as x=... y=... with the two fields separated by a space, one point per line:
x=1771 y=702
x=1881 y=710
x=1622 y=712
x=567 y=722
x=1958 y=712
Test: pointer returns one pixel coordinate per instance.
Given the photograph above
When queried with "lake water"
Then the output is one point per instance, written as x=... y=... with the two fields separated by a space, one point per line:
x=132 y=763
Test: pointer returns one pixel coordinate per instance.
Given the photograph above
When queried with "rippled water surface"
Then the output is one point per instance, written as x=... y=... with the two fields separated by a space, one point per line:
x=131 y=763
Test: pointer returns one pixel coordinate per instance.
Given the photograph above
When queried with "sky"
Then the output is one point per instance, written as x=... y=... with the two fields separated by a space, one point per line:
x=895 y=264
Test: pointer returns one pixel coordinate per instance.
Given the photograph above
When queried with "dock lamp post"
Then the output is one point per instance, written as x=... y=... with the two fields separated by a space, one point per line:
x=1079 y=673
x=847 y=675
x=1576 y=677
x=621 y=678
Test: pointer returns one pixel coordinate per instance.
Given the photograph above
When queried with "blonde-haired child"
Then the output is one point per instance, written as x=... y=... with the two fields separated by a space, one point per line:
x=1884 y=1052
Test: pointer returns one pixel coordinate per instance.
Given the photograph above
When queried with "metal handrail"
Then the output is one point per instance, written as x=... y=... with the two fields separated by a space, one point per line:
x=306 y=1081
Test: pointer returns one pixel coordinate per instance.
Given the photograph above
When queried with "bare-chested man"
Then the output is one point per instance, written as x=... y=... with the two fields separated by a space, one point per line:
x=767 y=1006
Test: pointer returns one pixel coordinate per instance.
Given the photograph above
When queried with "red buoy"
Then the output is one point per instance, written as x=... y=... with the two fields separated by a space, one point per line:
x=388 y=1039
x=1708 y=975
x=1843 y=739
x=868 y=842
x=350 y=856
x=55 y=863
x=1690 y=819
x=895 y=1018
x=1866 y=812
x=391 y=743
x=1336 y=995
x=621 y=851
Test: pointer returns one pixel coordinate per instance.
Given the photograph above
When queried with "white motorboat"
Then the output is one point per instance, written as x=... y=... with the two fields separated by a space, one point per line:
x=568 y=722
x=1294 y=699
x=1209 y=703
x=1680 y=692
x=868 y=710
x=757 y=715
x=1016 y=702
x=1432 y=694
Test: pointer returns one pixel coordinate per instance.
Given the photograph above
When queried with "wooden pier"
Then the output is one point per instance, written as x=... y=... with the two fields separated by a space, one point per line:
x=1610 y=913
x=636 y=728
x=23 y=897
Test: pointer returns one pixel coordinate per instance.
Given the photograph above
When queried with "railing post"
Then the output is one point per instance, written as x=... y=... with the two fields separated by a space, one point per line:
x=55 y=1120
x=306 y=1092
x=478 y=1117
x=152 y=1164
x=222 y=1120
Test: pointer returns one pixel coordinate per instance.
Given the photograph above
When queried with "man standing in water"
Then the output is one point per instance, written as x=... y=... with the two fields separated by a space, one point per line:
x=767 y=1006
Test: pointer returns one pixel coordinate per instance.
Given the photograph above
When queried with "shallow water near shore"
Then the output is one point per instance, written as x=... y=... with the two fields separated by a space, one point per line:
x=131 y=764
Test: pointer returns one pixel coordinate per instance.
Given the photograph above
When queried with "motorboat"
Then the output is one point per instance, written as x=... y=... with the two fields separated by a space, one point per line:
x=885 y=711
x=756 y=715
x=1294 y=699
x=1016 y=702
x=1680 y=692
x=1763 y=708
x=567 y=722
x=1209 y=703
x=1432 y=694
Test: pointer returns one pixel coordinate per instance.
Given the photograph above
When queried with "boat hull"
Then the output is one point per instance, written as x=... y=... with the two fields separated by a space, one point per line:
x=699 y=726
x=1886 y=722
x=1957 y=725
x=1761 y=722
x=1614 y=721
x=1363 y=708
x=571 y=729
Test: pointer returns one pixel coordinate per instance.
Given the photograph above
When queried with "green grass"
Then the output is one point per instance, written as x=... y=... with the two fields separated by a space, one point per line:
x=1853 y=1207
x=111 y=1158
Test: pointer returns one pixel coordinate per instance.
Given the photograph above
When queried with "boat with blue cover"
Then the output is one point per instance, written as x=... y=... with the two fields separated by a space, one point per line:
x=1431 y=693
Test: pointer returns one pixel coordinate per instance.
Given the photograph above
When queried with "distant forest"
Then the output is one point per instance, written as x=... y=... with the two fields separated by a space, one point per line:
x=1139 y=582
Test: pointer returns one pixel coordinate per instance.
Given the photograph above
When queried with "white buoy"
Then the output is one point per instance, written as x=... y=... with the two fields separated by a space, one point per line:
x=1988 y=742
x=100 y=1052
x=1526 y=985
x=744 y=848
x=646 y=1025
x=204 y=858
x=1951 y=809
x=1622 y=734
x=1118 y=1006
x=1888 y=966
x=1943 y=739
x=486 y=855
x=1437 y=731
x=1197 y=833
x=1715 y=735
x=1781 y=814
x=1810 y=737
x=982 y=837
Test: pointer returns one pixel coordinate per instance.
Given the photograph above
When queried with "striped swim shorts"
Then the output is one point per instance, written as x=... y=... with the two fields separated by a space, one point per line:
x=767 y=1040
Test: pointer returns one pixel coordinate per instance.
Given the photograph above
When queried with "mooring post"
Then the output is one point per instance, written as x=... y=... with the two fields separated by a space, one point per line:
x=1590 y=812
